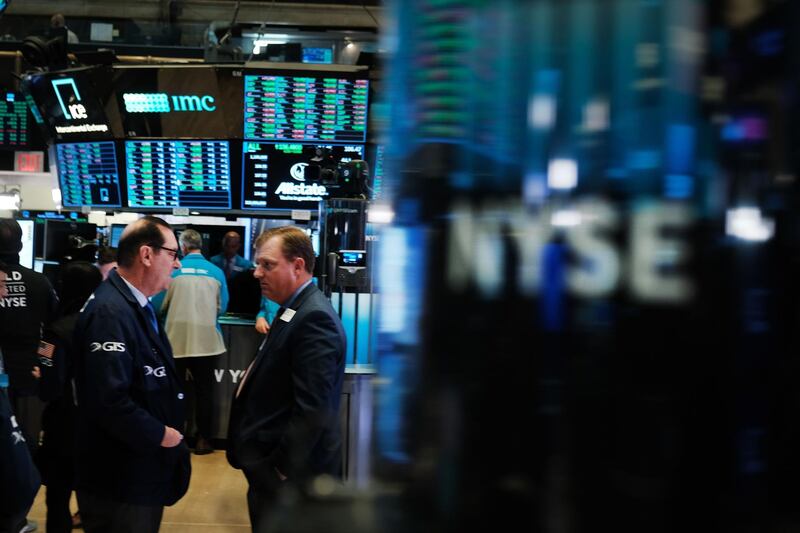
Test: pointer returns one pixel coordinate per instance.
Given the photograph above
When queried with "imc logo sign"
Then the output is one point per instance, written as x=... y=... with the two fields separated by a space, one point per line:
x=164 y=103
x=69 y=98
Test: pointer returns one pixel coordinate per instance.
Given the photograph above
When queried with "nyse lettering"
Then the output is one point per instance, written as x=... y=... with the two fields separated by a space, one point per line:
x=16 y=297
x=13 y=301
x=235 y=375
x=651 y=269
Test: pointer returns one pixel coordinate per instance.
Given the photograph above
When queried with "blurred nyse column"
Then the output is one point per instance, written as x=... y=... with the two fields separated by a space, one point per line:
x=587 y=319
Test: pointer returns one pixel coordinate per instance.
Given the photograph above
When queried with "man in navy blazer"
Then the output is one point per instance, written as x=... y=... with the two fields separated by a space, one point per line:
x=284 y=423
x=130 y=458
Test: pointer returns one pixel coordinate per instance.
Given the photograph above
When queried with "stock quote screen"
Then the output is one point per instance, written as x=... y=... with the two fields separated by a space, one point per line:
x=168 y=174
x=87 y=174
x=14 y=121
x=305 y=108
x=273 y=174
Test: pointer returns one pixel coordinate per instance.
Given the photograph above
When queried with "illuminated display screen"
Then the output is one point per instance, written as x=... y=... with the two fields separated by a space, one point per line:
x=175 y=102
x=71 y=103
x=168 y=174
x=377 y=173
x=285 y=108
x=28 y=243
x=273 y=174
x=13 y=122
x=353 y=257
x=323 y=55
x=116 y=234
x=87 y=174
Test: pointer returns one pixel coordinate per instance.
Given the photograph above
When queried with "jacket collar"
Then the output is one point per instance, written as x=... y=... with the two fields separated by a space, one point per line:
x=295 y=297
x=117 y=281
x=158 y=339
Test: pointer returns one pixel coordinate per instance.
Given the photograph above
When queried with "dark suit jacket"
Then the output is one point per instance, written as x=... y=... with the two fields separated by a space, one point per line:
x=128 y=390
x=287 y=413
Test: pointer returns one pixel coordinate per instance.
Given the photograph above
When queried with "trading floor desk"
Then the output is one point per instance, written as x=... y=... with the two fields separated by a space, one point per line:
x=242 y=341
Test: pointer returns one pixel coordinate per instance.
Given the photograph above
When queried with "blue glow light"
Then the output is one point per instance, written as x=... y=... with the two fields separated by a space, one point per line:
x=146 y=103
x=678 y=186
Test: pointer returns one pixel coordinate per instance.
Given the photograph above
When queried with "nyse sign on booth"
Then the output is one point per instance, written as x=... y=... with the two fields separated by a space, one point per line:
x=651 y=268
x=221 y=374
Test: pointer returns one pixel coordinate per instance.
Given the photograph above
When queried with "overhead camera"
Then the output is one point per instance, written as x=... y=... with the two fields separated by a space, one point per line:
x=347 y=179
x=42 y=52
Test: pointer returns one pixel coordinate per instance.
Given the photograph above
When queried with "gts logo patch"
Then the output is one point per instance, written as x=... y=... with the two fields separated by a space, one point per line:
x=158 y=372
x=107 y=346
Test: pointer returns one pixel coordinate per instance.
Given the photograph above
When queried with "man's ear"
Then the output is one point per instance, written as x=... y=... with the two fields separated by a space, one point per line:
x=146 y=255
x=299 y=264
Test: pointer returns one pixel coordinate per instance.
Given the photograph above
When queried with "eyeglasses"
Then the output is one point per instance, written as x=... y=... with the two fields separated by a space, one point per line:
x=173 y=251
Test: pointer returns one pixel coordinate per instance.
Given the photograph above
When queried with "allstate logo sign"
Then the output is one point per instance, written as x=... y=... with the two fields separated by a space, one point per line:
x=298 y=171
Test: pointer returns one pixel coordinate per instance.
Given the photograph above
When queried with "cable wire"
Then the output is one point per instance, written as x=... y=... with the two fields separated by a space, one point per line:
x=229 y=33
x=260 y=29
x=364 y=5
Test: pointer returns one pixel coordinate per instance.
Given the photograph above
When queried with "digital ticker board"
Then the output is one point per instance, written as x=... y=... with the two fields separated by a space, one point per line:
x=169 y=174
x=87 y=174
x=305 y=108
x=13 y=121
x=274 y=175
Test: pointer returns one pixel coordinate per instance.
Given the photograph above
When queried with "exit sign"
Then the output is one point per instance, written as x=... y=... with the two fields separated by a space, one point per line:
x=29 y=162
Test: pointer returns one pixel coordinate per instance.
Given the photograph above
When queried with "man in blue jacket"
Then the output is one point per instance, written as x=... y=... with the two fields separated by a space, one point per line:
x=197 y=296
x=229 y=260
x=131 y=459
x=284 y=424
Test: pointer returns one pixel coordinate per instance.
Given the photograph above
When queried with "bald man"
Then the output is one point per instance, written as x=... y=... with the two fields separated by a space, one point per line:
x=229 y=259
x=57 y=22
x=131 y=459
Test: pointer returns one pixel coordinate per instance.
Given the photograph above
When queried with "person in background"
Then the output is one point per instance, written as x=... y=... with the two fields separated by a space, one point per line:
x=266 y=314
x=28 y=308
x=19 y=479
x=56 y=456
x=57 y=22
x=131 y=460
x=229 y=259
x=197 y=296
x=106 y=260
x=284 y=422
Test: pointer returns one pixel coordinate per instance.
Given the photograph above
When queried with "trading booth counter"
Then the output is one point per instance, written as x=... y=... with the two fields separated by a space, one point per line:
x=242 y=342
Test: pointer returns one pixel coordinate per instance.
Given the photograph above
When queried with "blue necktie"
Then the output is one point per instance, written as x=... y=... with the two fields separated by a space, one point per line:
x=152 y=314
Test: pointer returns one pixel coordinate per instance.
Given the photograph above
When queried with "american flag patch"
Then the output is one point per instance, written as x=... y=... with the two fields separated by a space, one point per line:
x=46 y=349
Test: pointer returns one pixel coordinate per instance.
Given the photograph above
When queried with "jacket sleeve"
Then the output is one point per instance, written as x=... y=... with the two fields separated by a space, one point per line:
x=267 y=310
x=223 y=293
x=241 y=262
x=19 y=479
x=51 y=313
x=315 y=362
x=107 y=378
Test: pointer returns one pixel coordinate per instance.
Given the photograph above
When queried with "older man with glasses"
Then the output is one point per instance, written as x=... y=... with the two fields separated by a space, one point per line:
x=131 y=458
